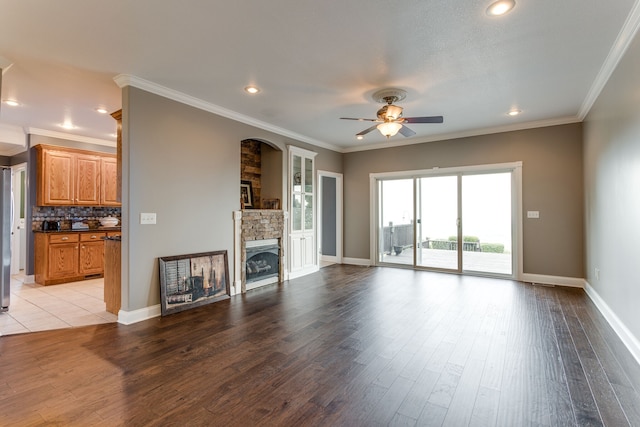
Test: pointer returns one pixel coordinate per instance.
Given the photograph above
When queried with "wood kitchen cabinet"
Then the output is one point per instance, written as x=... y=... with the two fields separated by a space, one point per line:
x=69 y=256
x=91 y=254
x=69 y=177
x=109 y=182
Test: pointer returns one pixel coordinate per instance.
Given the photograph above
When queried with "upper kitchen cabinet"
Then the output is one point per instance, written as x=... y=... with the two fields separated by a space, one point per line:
x=68 y=177
x=109 y=182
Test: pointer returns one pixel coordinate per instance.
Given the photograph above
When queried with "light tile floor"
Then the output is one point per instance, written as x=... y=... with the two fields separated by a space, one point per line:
x=35 y=307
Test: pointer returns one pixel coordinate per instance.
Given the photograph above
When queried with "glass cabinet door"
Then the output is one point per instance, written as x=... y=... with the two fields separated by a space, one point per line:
x=302 y=190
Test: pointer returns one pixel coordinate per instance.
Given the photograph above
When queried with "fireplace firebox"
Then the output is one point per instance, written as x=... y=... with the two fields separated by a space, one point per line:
x=262 y=260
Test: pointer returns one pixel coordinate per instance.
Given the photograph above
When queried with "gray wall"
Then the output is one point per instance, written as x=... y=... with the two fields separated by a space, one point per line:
x=552 y=184
x=183 y=164
x=612 y=179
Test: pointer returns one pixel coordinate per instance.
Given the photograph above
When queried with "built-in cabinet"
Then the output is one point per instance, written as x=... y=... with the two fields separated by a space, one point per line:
x=66 y=257
x=302 y=247
x=68 y=177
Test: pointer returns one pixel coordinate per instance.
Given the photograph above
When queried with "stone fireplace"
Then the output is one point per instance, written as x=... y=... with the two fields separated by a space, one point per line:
x=259 y=248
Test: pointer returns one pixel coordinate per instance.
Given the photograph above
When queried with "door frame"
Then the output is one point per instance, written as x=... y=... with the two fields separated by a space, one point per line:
x=339 y=215
x=514 y=167
x=18 y=248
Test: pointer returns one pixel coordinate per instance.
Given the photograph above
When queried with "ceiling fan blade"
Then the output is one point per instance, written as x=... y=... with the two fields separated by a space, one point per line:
x=432 y=119
x=405 y=131
x=360 y=120
x=366 y=131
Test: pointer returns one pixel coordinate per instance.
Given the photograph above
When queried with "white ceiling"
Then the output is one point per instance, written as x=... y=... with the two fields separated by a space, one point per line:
x=315 y=61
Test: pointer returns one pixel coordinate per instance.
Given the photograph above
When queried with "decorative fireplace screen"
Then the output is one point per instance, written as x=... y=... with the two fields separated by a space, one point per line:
x=262 y=260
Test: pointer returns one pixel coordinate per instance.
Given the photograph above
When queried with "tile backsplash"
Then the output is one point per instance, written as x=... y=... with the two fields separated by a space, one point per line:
x=68 y=214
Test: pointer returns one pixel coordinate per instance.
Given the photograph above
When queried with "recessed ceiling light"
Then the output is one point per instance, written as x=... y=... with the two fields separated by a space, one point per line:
x=500 y=7
x=252 y=89
x=11 y=102
x=101 y=110
x=359 y=136
x=67 y=125
x=513 y=113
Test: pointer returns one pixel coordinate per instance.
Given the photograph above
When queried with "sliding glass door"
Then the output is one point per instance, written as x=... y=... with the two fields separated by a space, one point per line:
x=460 y=221
x=395 y=225
x=487 y=223
x=437 y=209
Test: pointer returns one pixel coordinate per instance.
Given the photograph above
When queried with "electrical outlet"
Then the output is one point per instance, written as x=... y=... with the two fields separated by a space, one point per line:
x=147 y=218
x=533 y=214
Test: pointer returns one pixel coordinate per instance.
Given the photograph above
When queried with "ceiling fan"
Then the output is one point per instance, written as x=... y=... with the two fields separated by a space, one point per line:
x=390 y=120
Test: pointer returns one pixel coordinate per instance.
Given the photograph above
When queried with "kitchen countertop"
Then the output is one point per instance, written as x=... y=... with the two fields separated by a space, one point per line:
x=82 y=230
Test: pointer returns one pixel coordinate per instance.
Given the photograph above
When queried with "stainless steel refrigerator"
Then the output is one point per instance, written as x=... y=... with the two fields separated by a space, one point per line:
x=6 y=217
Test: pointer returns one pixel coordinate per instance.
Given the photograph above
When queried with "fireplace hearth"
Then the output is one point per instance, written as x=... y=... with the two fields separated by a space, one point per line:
x=259 y=248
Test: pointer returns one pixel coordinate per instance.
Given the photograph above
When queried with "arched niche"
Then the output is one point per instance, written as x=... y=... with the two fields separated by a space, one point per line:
x=263 y=164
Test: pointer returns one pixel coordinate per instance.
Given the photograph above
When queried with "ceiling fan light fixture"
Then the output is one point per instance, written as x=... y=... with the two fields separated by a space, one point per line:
x=389 y=129
x=500 y=7
x=393 y=112
x=359 y=137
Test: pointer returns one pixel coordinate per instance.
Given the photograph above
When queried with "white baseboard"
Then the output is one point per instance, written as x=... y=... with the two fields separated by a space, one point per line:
x=573 y=282
x=130 y=317
x=237 y=287
x=628 y=339
x=357 y=261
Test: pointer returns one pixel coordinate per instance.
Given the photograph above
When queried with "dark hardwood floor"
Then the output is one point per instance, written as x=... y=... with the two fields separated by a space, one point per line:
x=347 y=346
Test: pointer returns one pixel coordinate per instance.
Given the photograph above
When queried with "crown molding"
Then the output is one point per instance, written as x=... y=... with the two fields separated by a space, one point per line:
x=620 y=46
x=70 y=137
x=466 y=134
x=123 y=80
x=5 y=64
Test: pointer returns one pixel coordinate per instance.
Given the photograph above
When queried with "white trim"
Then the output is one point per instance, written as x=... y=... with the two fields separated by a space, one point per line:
x=357 y=261
x=464 y=134
x=373 y=219
x=626 y=336
x=135 y=316
x=237 y=253
x=542 y=279
x=5 y=64
x=70 y=137
x=123 y=80
x=301 y=151
x=620 y=46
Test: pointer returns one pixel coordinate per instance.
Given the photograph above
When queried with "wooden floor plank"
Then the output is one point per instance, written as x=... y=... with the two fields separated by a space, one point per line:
x=344 y=346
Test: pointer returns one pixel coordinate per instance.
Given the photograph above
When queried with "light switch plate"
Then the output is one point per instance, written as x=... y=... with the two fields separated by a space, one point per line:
x=147 y=218
x=533 y=214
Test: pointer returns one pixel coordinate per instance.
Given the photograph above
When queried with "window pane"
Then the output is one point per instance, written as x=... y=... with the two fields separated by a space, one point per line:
x=308 y=212
x=308 y=175
x=296 y=215
x=297 y=173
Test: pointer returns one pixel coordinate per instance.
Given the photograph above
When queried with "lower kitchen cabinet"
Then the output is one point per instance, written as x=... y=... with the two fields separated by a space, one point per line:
x=68 y=257
x=91 y=254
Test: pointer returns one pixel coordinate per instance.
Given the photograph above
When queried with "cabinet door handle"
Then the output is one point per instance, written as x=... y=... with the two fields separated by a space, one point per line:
x=94 y=237
x=64 y=238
